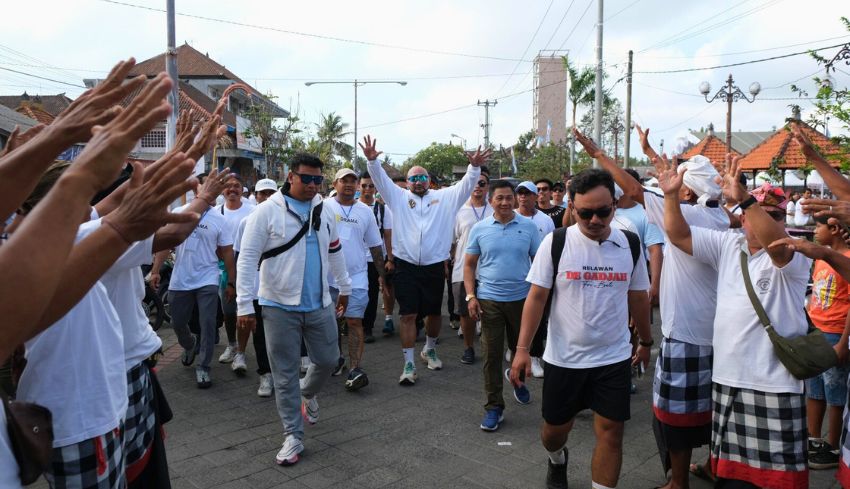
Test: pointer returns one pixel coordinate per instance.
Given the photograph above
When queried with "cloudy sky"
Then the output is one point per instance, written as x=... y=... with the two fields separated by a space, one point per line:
x=451 y=53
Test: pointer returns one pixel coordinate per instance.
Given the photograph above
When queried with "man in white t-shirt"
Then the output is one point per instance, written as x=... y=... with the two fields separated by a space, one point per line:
x=359 y=237
x=759 y=423
x=471 y=213
x=526 y=193
x=235 y=208
x=801 y=218
x=791 y=208
x=599 y=280
x=195 y=281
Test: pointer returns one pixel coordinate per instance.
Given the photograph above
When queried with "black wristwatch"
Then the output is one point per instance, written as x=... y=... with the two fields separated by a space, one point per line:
x=747 y=203
x=646 y=344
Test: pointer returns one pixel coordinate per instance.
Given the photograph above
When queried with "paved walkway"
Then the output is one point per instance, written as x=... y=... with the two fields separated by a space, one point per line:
x=386 y=435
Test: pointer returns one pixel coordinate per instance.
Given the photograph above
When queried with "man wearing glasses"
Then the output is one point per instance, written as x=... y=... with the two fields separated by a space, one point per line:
x=292 y=238
x=424 y=220
x=596 y=283
x=544 y=201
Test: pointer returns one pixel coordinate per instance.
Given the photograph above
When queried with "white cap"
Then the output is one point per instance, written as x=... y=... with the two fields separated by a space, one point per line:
x=344 y=172
x=244 y=190
x=265 y=184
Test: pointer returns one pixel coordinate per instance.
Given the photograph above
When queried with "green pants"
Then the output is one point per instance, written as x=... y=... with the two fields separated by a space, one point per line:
x=499 y=320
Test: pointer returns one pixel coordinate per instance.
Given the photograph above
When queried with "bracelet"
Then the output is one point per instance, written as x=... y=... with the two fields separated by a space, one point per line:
x=646 y=344
x=117 y=230
x=747 y=203
x=522 y=348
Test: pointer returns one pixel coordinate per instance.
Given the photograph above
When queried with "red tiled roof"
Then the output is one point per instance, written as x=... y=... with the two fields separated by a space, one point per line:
x=783 y=147
x=52 y=104
x=191 y=63
x=712 y=148
x=192 y=99
x=36 y=112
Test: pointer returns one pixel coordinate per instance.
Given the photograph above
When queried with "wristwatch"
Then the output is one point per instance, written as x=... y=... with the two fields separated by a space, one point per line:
x=646 y=344
x=747 y=203
x=469 y=297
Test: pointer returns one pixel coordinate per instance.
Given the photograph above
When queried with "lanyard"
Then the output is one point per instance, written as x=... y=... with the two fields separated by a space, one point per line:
x=347 y=214
x=477 y=217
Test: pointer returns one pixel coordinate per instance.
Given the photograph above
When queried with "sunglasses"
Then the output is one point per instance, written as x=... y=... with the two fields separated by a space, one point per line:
x=542 y=189
x=588 y=214
x=308 y=179
x=417 y=178
x=367 y=185
x=482 y=183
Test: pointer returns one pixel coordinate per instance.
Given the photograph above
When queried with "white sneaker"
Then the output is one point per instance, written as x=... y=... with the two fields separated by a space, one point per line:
x=478 y=328
x=288 y=454
x=508 y=355
x=239 y=366
x=310 y=409
x=408 y=375
x=228 y=355
x=460 y=332
x=430 y=357
x=305 y=364
x=266 y=386
x=537 y=367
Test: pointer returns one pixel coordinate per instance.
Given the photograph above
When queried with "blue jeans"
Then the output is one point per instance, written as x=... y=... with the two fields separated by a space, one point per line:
x=832 y=384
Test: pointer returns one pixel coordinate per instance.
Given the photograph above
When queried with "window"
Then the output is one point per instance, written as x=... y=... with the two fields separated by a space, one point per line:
x=154 y=139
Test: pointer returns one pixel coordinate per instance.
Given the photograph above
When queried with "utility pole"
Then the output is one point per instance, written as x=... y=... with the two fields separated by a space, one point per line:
x=171 y=69
x=627 y=137
x=598 y=96
x=354 y=148
x=487 y=104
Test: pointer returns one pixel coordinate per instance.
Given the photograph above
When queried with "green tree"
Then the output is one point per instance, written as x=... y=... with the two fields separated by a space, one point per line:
x=330 y=133
x=612 y=126
x=581 y=92
x=549 y=161
x=277 y=139
x=438 y=159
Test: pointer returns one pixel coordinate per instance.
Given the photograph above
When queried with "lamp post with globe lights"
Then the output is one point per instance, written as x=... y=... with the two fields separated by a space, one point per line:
x=729 y=93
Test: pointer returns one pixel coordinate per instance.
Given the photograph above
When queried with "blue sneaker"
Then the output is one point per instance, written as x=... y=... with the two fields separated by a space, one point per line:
x=521 y=394
x=492 y=419
x=389 y=328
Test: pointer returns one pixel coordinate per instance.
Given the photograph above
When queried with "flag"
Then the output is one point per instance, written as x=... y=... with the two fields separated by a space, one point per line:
x=548 y=131
x=513 y=161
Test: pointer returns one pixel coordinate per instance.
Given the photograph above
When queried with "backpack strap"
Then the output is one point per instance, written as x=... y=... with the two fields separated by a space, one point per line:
x=378 y=210
x=634 y=245
x=317 y=223
x=559 y=239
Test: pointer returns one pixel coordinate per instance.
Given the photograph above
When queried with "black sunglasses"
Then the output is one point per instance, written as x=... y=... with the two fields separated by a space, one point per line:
x=482 y=183
x=602 y=212
x=308 y=179
x=367 y=185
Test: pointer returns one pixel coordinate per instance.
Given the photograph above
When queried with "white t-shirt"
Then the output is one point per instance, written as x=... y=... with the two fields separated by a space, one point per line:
x=800 y=219
x=544 y=223
x=76 y=369
x=195 y=261
x=234 y=217
x=8 y=466
x=237 y=246
x=683 y=277
x=358 y=232
x=467 y=217
x=388 y=225
x=125 y=286
x=589 y=322
x=790 y=213
x=743 y=354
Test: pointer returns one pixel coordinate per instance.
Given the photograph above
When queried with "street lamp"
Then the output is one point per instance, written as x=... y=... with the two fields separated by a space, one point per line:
x=462 y=140
x=356 y=84
x=729 y=93
x=843 y=54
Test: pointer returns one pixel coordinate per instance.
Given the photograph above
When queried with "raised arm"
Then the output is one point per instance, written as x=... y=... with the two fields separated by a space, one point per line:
x=392 y=194
x=839 y=262
x=461 y=191
x=670 y=181
x=630 y=186
x=837 y=183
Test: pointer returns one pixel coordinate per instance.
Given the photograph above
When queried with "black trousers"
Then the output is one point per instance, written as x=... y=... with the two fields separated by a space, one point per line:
x=372 y=306
x=259 y=337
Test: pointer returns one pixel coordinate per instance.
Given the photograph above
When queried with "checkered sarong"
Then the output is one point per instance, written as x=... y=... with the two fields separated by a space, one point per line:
x=140 y=421
x=96 y=463
x=681 y=389
x=759 y=437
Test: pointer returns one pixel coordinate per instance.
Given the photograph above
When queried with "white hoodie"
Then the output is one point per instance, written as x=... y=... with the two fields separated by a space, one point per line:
x=271 y=225
x=422 y=233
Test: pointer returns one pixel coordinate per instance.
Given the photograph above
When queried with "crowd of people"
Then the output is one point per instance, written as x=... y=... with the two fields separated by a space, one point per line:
x=560 y=278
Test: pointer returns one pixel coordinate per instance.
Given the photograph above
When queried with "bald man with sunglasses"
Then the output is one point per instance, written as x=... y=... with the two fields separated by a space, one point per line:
x=424 y=219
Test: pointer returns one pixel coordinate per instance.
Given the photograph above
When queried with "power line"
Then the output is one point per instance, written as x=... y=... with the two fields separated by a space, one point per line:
x=533 y=37
x=740 y=63
x=42 y=78
x=317 y=36
x=622 y=10
x=560 y=23
x=720 y=55
x=698 y=24
x=576 y=26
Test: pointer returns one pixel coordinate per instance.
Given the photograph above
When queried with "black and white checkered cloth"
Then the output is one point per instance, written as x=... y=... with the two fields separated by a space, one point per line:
x=843 y=473
x=760 y=437
x=96 y=463
x=681 y=389
x=140 y=422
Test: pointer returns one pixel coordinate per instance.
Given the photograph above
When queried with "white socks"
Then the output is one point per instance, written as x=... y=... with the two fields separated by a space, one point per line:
x=408 y=354
x=596 y=485
x=430 y=343
x=557 y=457
x=389 y=317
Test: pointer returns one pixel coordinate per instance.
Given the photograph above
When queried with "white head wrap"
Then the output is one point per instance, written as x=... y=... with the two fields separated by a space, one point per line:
x=701 y=178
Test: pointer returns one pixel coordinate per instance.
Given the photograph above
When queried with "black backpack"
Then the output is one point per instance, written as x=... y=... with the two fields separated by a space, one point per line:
x=378 y=209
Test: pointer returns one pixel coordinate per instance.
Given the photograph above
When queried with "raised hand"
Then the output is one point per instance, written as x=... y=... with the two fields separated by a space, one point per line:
x=213 y=185
x=806 y=146
x=730 y=182
x=478 y=158
x=802 y=246
x=644 y=142
x=369 y=150
x=145 y=205
x=186 y=131
x=210 y=134
x=589 y=146
x=103 y=157
x=18 y=138
x=98 y=105
x=838 y=209
x=669 y=178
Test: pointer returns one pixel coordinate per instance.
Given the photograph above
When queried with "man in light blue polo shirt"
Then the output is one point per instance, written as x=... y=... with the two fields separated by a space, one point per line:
x=498 y=257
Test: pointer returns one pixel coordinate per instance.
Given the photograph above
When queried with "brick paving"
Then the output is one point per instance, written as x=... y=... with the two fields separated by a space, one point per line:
x=386 y=435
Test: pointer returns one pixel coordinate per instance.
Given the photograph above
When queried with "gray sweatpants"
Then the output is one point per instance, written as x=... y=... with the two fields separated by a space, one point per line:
x=284 y=331
x=182 y=302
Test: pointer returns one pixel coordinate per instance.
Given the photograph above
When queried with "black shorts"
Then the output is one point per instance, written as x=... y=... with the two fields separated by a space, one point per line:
x=605 y=390
x=419 y=289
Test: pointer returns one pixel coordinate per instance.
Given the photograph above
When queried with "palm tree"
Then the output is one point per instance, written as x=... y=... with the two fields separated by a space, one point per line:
x=581 y=92
x=330 y=132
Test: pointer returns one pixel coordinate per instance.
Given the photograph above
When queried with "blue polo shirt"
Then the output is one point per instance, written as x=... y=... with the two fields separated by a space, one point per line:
x=505 y=252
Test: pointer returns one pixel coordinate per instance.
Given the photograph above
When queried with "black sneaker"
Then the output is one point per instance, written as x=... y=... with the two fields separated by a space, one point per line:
x=556 y=476
x=368 y=338
x=340 y=367
x=815 y=446
x=357 y=379
x=468 y=357
x=826 y=458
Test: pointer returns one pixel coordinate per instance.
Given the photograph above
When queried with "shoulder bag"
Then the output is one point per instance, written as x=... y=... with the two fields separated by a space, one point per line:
x=30 y=429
